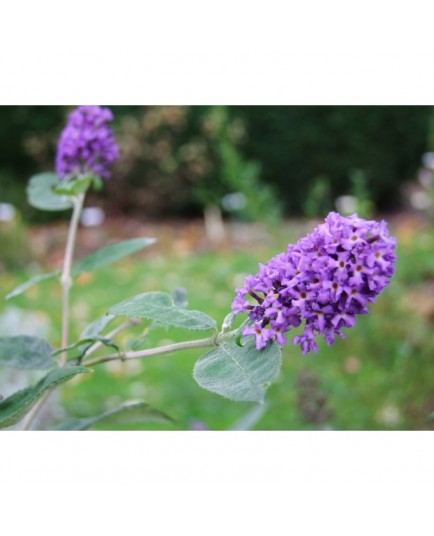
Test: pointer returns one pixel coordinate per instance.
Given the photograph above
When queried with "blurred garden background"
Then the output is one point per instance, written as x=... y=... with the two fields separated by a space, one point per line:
x=223 y=188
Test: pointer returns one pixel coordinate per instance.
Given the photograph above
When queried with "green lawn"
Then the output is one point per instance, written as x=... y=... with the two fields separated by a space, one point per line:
x=380 y=377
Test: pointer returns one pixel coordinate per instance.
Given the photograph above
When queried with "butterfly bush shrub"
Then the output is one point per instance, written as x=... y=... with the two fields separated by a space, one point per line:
x=318 y=285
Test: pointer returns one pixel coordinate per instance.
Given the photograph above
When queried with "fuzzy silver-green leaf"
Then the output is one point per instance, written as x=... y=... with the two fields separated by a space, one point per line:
x=25 y=352
x=14 y=407
x=40 y=193
x=239 y=373
x=160 y=307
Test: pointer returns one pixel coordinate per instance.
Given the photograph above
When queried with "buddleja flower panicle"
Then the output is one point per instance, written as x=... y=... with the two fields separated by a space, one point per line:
x=323 y=281
x=86 y=145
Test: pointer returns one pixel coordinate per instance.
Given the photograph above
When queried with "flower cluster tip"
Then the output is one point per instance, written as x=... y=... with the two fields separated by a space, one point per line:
x=86 y=144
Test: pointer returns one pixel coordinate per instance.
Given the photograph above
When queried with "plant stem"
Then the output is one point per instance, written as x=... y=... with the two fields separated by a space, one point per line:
x=65 y=278
x=199 y=343
x=66 y=282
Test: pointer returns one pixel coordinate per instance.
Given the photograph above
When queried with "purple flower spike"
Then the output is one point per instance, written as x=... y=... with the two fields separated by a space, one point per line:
x=323 y=281
x=86 y=144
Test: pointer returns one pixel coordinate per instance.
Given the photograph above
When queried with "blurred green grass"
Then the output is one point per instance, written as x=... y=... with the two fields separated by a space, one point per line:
x=381 y=376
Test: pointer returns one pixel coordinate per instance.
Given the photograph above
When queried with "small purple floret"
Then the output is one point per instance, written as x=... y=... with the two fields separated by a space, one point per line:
x=323 y=281
x=86 y=144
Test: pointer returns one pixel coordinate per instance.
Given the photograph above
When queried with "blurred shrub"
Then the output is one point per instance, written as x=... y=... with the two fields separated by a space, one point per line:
x=177 y=159
x=318 y=199
x=358 y=199
x=180 y=160
x=364 y=205
x=15 y=252
x=230 y=175
x=28 y=136
x=147 y=177
x=298 y=144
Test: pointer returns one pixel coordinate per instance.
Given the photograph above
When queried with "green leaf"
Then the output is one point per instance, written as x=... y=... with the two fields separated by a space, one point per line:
x=13 y=408
x=40 y=193
x=93 y=329
x=138 y=342
x=86 y=342
x=73 y=187
x=111 y=253
x=26 y=352
x=29 y=283
x=132 y=413
x=160 y=307
x=239 y=333
x=239 y=373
